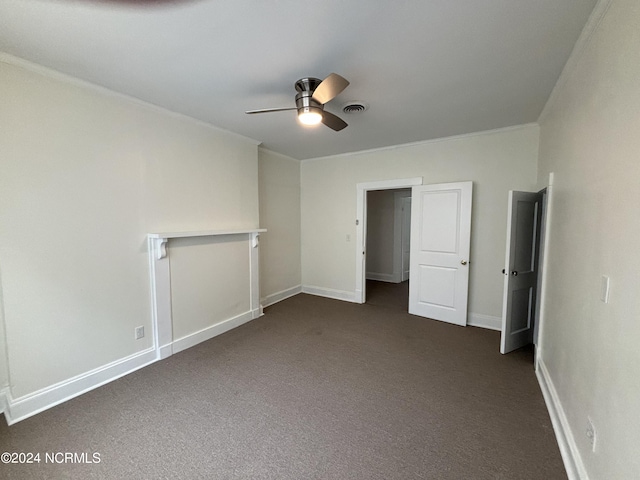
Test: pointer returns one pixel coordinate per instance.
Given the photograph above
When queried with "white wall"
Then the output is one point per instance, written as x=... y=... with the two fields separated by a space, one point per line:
x=84 y=176
x=496 y=161
x=199 y=299
x=279 y=185
x=590 y=139
x=4 y=367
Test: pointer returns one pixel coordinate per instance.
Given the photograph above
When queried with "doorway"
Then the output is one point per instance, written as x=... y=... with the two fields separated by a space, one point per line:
x=440 y=241
x=526 y=231
x=362 y=190
x=388 y=224
x=388 y=234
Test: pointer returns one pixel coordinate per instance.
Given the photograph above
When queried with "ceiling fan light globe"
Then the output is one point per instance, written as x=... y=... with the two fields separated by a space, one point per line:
x=311 y=117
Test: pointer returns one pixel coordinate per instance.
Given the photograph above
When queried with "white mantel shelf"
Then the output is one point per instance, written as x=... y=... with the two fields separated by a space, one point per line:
x=205 y=233
x=158 y=241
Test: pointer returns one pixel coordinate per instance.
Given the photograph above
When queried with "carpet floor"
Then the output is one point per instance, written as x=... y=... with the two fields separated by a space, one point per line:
x=315 y=389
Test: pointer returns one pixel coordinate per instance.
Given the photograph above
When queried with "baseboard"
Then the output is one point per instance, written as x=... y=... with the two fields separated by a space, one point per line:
x=484 y=321
x=205 y=334
x=566 y=441
x=281 y=295
x=165 y=351
x=383 y=277
x=329 y=293
x=24 y=407
x=4 y=395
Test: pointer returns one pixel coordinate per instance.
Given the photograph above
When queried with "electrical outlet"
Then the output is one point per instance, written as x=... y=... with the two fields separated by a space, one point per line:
x=139 y=332
x=590 y=432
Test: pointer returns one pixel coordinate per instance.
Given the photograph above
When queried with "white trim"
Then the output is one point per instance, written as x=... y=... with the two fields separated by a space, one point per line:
x=254 y=274
x=160 y=279
x=205 y=233
x=390 y=184
x=160 y=285
x=281 y=295
x=165 y=351
x=4 y=399
x=544 y=282
x=28 y=405
x=208 y=333
x=77 y=82
x=329 y=293
x=568 y=448
x=579 y=48
x=361 y=225
x=484 y=321
x=24 y=407
x=424 y=142
x=383 y=277
x=399 y=201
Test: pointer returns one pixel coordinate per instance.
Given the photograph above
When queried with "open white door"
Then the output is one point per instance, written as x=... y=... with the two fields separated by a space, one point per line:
x=521 y=269
x=439 y=260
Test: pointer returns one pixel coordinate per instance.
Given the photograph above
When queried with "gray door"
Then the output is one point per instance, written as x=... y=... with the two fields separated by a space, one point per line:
x=521 y=270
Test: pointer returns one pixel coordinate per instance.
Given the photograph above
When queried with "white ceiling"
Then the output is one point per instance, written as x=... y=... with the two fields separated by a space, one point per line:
x=427 y=68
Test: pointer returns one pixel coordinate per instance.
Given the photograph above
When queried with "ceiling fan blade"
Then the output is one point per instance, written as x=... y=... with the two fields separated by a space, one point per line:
x=333 y=122
x=267 y=110
x=329 y=88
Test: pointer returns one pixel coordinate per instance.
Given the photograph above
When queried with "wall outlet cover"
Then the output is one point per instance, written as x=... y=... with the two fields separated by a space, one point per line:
x=139 y=333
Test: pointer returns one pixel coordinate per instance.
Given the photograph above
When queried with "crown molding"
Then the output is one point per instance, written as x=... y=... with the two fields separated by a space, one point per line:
x=425 y=142
x=77 y=82
x=596 y=17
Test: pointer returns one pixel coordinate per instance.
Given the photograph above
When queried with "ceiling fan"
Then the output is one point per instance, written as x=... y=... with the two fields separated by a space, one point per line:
x=311 y=98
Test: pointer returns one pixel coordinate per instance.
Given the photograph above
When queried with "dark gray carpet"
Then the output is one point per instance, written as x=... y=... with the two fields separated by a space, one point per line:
x=315 y=389
x=389 y=295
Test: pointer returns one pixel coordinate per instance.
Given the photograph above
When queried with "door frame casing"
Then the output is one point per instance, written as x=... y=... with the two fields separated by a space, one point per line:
x=541 y=259
x=544 y=258
x=361 y=225
x=405 y=232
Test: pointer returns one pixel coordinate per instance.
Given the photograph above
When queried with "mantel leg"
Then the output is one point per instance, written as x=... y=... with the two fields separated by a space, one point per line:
x=254 y=252
x=161 y=296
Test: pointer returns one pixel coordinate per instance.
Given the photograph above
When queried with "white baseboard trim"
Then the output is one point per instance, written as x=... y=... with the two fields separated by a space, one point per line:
x=4 y=395
x=165 y=351
x=383 y=277
x=484 y=321
x=205 y=334
x=281 y=295
x=566 y=441
x=24 y=407
x=329 y=293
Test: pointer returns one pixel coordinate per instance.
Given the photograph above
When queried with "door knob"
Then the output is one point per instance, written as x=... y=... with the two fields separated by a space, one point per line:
x=503 y=272
x=463 y=262
x=514 y=273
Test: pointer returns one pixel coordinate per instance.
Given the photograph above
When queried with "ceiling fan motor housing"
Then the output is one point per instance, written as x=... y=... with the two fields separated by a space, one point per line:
x=305 y=88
